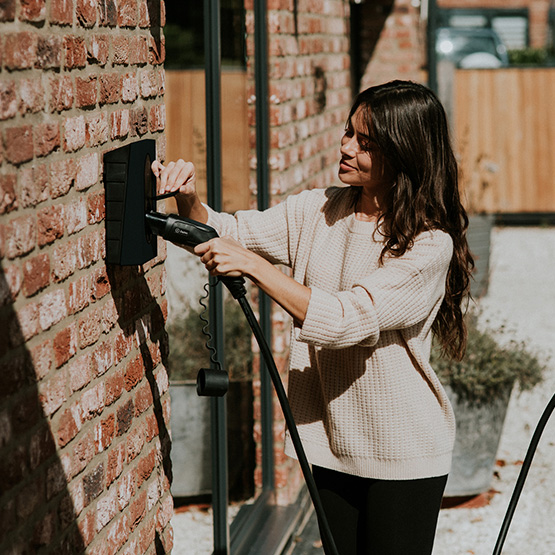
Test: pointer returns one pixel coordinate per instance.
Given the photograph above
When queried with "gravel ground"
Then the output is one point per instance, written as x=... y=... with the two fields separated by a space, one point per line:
x=522 y=297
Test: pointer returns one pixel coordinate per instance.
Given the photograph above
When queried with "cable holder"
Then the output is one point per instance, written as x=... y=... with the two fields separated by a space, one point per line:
x=214 y=381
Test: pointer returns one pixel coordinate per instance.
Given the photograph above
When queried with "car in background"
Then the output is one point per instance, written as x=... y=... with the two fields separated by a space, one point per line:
x=471 y=47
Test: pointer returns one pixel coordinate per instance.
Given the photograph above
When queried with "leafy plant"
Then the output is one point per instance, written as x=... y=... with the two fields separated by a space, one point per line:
x=488 y=367
x=188 y=351
x=528 y=56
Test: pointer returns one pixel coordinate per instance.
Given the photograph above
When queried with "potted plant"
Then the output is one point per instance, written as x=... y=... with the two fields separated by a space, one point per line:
x=190 y=419
x=479 y=387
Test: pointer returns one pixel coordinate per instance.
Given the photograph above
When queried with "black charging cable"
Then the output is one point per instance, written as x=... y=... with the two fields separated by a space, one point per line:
x=213 y=381
x=548 y=411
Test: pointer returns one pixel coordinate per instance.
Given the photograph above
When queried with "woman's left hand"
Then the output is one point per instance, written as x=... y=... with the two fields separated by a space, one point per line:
x=224 y=256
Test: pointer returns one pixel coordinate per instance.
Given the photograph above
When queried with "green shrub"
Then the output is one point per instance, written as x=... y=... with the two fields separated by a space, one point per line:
x=528 y=56
x=187 y=345
x=488 y=367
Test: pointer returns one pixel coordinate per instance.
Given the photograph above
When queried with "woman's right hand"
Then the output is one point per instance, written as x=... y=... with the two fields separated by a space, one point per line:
x=176 y=176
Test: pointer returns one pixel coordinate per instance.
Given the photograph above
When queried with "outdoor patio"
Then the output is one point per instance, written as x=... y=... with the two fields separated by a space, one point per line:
x=522 y=297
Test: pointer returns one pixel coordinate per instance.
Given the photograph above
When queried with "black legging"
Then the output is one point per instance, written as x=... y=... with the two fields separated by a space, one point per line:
x=380 y=517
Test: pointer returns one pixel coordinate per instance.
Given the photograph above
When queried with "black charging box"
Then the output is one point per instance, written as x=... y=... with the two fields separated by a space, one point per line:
x=130 y=187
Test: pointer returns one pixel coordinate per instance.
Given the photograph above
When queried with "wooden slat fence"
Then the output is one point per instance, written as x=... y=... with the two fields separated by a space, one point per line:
x=504 y=121
x=186 y=130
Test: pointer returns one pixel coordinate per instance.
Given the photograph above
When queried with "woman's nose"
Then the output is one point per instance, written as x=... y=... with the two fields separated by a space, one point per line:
x=349 y=145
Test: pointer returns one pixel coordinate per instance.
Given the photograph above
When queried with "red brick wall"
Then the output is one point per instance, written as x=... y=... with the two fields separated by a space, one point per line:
x=309 y=101
x=393 y=42
x=83 y=394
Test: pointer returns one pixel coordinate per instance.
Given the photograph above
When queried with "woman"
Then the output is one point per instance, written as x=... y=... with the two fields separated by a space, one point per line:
x=378 y=266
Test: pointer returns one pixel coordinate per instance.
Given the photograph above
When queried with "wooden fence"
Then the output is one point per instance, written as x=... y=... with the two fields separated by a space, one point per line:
x=186 y=130
x=504 y=122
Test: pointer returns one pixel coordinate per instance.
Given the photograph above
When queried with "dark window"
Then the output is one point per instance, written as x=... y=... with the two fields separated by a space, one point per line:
x=184 y=33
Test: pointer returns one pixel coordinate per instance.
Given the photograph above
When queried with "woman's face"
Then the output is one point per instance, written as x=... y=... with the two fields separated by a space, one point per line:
x=362 y=164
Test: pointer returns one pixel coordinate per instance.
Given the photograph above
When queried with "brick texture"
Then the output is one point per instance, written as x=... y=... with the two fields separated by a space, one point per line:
x=84 y=419
x=310 y=97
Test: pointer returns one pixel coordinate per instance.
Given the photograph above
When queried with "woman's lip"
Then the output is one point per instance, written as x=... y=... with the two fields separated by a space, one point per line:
x=345 y=166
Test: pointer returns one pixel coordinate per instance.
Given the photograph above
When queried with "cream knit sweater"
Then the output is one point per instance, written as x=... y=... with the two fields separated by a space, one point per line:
x=364 y=396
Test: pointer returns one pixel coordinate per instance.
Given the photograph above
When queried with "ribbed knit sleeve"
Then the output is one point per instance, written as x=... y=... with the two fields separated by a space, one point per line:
x=399 y=294
x=273 y=233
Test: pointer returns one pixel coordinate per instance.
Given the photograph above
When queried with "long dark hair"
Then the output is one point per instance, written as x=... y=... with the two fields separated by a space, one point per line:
x=408 y=124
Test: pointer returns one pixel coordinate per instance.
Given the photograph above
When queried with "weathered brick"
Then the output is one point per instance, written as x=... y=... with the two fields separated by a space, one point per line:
x=134 y=372
x=10 y=283
x=116 y=460
x=32 y=98
x=32 y=10
x=120 y=50
x=110 y=88
x=124 y=415
x=137 y=510
x=75 y=52
x=33 y=185
x=49 y=52
x=50 y=224
x=79 y=377
x=97 y=131
x=98 y=49
x=86 y=12
x=128 y=15
x=47 y=138
x=75 y=216
x=93 y=484
x=130 y=88
x=138 y=50
x=18 y=144
x=93 y=401
x=105 y=432
x=65 y=344
x=96 y=206
x=119 y=124
x=108 y=13
x=52 y=393
x=74 y=133
x=8 y=200
x=139 y=121
x=61 y=93
x=157 y=118
x=156 y=51
x=87 y=527
x=79 y=294
x=143 y=398
x=7 y=10
x=87 y=171
x=90 y=327
x=64 y=261
x=68 y=427
x=36 y=274
x=145 y=467
x=85 y=91
x=84 y=452
x=20 y=50
x=8 y=99
x=88 y=249
x=61 y=12
x=45 y=531
x=20 y=236
x=106 y=508
x=52 y=308
x=41 y=358
x=102 y=359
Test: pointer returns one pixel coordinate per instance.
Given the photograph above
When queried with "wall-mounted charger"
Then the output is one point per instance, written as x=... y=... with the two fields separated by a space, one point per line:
x=130 y=189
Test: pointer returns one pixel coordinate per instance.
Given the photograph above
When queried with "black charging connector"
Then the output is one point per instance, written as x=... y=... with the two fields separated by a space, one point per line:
x=190 y=233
